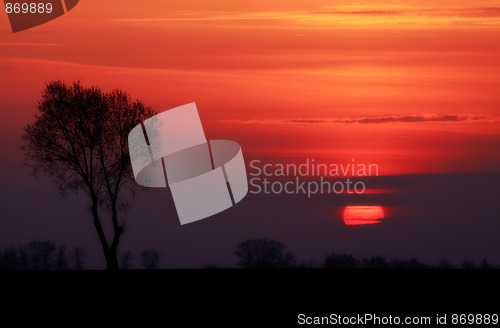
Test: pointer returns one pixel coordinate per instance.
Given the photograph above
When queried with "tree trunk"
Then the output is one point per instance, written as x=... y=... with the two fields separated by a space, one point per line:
x=111 y=265
x=113 y=250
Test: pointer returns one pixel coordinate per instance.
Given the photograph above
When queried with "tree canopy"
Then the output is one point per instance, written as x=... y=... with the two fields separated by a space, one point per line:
x=263 y=253
x=79 y=139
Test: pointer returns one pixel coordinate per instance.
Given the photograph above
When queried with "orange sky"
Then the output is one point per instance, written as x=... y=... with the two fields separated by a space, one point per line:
x=410 y=85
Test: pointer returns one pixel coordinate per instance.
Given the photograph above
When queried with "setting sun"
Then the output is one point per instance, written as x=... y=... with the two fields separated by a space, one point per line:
x=358 y=215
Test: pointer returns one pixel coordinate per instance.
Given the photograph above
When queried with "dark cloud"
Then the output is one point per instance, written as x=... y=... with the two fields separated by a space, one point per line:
x=418 y=118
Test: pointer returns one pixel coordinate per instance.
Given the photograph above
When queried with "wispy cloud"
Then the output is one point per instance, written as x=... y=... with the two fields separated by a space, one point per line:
x=345 y=15
x=420 y=118
x=29 y=44
x=402 y=10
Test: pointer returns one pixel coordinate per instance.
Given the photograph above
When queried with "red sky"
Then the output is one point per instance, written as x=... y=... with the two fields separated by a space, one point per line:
x=409 y=85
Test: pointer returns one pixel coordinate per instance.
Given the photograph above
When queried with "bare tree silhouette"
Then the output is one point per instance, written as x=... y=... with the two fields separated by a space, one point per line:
x=341 y=261
x=150 y=259
x=10 y=259
x=468 y=264
x=23 y=260
x=79 y=138
x=126 y=260
x=376 y=262
x=77 y=258
x=484 y=264
x=408 y=264
x=41 y=254
x=61 y=262
x=263 y=253
x=444 y=264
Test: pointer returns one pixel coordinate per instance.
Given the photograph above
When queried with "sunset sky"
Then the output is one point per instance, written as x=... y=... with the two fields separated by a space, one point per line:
x=412 y=86
x=409 y=85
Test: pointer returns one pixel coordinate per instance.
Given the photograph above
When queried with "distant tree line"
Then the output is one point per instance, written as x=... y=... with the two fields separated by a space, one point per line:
x=148 y=259
x=42 y=255
x=46 y=255
x=268 y=253
x=254 y=253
